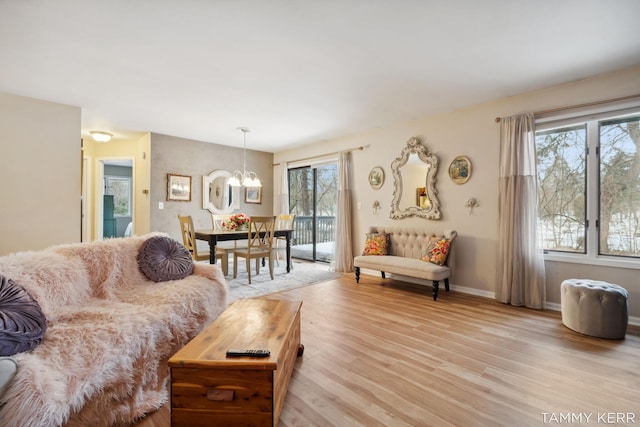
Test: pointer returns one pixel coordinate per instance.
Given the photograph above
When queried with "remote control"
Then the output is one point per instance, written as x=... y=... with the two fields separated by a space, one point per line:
x=248 y=353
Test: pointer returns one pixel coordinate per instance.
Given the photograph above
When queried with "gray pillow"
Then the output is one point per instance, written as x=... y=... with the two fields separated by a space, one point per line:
x=162 y=258
x=22 y=322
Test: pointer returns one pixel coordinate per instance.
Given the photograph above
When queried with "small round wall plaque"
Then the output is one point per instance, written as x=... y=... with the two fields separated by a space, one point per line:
x=460 y=170
x=376 y=177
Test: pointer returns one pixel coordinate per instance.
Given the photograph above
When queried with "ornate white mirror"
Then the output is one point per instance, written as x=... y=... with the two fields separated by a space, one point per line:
x=217 y=195
x=414 y=176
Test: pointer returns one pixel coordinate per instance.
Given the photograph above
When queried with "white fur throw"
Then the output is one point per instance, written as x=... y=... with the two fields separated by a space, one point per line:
x=111 y=330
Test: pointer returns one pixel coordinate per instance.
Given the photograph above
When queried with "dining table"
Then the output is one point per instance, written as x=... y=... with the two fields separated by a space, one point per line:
x=214 y=236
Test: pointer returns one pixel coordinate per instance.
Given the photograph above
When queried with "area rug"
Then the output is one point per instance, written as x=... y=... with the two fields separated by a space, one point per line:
x=303 y=274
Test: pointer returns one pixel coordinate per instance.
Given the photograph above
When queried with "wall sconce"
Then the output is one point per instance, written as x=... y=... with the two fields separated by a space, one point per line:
x=471 y=203
x=376 y=206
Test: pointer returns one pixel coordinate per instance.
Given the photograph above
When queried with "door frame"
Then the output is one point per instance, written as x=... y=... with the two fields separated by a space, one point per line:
x=99 y=193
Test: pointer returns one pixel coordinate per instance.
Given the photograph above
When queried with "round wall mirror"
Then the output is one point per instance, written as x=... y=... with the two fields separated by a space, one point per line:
x=217 y=195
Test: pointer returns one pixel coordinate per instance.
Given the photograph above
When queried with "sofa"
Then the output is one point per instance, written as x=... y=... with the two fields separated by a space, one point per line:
x=411 y=252
x=112 y=323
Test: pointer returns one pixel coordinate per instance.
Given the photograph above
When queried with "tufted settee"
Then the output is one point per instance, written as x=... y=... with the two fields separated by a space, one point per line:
x=110 y=332
x=406 y=248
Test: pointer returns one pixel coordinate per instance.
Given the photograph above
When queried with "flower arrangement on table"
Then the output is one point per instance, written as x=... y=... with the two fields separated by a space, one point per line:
x=236 y=222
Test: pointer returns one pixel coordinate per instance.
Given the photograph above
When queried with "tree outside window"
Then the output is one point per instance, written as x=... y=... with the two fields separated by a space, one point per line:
x=120 y=188
x=589 y=187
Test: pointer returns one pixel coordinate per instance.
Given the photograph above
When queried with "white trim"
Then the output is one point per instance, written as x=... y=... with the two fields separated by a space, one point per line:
x=99 y=199
x=602 y=261
x=314 y=162
x=129 y=180
x=87 y=197
x=553 y=306
x=553 y=120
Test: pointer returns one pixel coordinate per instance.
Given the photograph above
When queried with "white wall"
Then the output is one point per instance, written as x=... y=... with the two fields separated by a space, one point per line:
x=39 y=173
x=471 y=132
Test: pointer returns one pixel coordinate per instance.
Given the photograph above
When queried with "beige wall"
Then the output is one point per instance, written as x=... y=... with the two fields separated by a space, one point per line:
x=40 y=173
x=471 y=132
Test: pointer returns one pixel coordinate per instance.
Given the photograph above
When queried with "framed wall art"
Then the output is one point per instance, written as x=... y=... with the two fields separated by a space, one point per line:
x=376 y=177
x=253 y=195
x=460 y=170
x=178 y=187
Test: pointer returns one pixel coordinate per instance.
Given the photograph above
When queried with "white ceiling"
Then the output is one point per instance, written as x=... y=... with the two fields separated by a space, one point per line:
x=299 y=72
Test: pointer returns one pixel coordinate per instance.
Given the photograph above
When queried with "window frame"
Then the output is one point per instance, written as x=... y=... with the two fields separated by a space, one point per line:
x=592 y=120
x=129 y=179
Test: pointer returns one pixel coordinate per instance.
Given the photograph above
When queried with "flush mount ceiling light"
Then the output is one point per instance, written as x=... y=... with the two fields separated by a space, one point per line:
x=245 y=178
x=100 y=136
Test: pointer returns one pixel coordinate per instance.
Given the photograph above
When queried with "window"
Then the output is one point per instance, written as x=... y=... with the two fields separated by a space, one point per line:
x=589 y=185
x=313 y=198
x=120 y=188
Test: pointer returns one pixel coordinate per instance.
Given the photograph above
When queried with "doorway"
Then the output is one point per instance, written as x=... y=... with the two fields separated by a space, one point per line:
x=313 y=199
x=114 y=202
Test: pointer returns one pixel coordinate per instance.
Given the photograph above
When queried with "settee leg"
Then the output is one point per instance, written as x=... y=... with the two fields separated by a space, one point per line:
x=446 y=285
x=383 y=276
x=436 y=284
x=357 y=274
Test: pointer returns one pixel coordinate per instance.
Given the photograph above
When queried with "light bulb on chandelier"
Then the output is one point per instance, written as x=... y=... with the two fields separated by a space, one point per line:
x=245 y=178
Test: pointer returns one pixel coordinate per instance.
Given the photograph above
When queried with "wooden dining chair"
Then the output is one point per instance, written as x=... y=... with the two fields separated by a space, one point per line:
x=189 y=241
x=283 y=222
x=258 y=246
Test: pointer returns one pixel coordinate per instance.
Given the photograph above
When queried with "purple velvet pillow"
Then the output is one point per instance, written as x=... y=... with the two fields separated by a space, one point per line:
x=22 y=322
x=162 y=258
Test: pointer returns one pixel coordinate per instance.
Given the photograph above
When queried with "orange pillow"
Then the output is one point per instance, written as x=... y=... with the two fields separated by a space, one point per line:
x=376 y=244
x=437 y=250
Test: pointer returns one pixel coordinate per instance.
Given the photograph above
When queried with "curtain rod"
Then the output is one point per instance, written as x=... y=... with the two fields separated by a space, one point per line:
x=587 y=104
x=322 y=155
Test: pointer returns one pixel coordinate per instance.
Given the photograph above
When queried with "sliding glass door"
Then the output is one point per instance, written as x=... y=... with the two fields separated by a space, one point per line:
x=313 y=198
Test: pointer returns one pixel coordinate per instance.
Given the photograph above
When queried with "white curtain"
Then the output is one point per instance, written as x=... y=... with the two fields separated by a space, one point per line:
x=284 y=189
x=343 y=261
x=521 y=276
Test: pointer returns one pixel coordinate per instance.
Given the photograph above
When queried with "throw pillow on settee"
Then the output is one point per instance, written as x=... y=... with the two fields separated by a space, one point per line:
x=376 y=244
x=437 y=250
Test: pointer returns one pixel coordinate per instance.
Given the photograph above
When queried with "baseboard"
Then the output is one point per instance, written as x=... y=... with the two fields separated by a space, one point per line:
x=472 y=291
x=416 y=281
x=633 y=320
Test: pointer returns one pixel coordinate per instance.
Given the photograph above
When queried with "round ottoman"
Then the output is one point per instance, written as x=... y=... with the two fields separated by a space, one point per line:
x=594 y=308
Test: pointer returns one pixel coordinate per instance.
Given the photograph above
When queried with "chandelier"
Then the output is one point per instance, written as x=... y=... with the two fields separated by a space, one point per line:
x=245 y=178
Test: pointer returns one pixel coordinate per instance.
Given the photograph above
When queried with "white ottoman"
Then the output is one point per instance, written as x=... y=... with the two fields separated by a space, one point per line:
x=594 y=308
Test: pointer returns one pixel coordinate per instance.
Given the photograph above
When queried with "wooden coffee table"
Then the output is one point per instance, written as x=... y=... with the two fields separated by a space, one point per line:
x=210 y=389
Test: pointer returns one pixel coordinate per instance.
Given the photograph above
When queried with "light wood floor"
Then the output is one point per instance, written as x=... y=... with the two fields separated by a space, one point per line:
x=383 y=353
